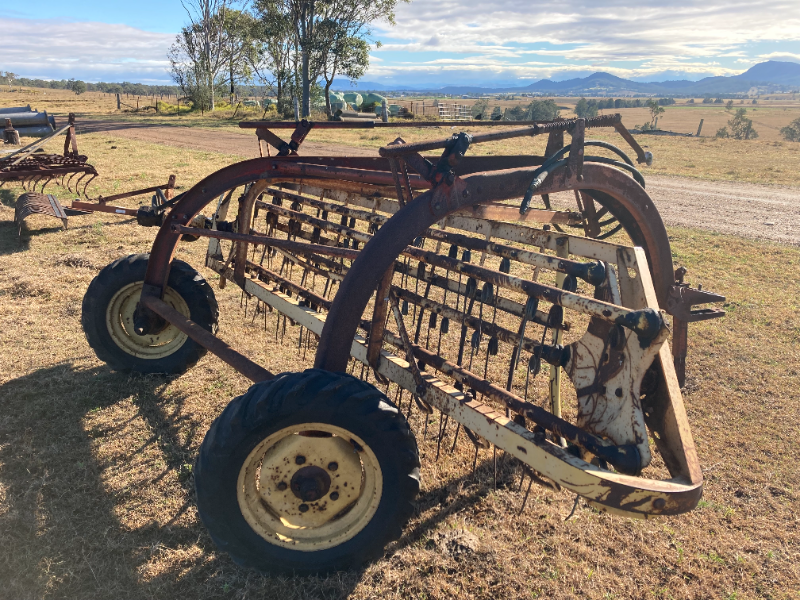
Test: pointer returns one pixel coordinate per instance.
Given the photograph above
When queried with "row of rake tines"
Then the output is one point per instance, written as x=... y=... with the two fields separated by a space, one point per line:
x=303 y=271
x=36 y=177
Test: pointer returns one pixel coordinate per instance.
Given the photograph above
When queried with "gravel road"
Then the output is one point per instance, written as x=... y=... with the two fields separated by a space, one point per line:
x=744 y=209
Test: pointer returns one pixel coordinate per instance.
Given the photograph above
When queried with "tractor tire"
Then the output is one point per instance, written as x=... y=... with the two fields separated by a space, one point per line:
x=307 y=436
x=107 y=317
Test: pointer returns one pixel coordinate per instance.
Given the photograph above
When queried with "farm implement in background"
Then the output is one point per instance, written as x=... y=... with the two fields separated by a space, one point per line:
x=439 y=278
x=35 y=170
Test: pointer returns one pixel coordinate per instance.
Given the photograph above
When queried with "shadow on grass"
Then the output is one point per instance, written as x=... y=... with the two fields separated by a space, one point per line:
x=7 y=198
x=66 y=518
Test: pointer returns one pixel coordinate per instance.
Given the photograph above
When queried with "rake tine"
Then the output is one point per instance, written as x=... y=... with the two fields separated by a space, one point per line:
x=442 y=431
x=574 y=507
x=475 y=461
x=78 y=183
x=91 y=179
x=69 y=181
x=525 y=499
x=49 y=179
x=494 y=456
x=455 y=439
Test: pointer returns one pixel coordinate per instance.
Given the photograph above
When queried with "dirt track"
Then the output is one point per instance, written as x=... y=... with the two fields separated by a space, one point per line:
x=748 y=210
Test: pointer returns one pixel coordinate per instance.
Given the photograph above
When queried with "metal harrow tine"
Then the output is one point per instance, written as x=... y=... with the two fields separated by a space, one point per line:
x=87 y=185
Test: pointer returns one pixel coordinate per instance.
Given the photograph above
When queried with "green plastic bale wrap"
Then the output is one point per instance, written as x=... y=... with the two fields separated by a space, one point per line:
x=354 y=98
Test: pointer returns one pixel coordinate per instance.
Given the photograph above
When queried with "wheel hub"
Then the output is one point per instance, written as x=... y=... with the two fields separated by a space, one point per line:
x=310 y=483
x=310 y=488
x=160 y=342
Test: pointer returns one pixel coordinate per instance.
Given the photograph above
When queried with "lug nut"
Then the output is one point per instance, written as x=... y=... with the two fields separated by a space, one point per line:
x=282 y=486
x=299 y=460
x=333 y=466
x=304 y=508
x=334 y=495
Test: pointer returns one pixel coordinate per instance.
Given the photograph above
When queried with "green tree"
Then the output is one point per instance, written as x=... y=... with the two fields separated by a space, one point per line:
x=742 y=127
x=200 y=53
x=8 y=78
x=77 y=86
x=655 y=110
x=586 y=108
x=343 y=54
x=729 y=105
x=791 y=133
x=240 y=31
x=480 y=110
x=542 y=110
x=276 y=52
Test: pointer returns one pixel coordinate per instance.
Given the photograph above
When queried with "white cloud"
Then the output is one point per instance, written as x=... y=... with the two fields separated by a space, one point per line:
x=54 y=48
x=662 y=34
x=790 y=56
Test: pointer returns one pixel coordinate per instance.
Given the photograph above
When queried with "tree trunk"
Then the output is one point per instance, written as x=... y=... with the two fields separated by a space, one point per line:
x=306 y=86
x=328 y=97
x=233 y=93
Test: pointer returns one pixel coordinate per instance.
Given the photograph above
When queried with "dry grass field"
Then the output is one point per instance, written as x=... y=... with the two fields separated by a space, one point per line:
x=96 y=490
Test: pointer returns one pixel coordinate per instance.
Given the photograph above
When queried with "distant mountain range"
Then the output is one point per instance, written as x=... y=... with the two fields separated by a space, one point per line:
x=774 y=75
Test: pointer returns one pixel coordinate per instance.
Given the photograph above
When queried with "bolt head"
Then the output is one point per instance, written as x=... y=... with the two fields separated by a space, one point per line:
x=299 y=460
x=334 y=495
x=303 y=508
x=282 y=486
x=332 y=466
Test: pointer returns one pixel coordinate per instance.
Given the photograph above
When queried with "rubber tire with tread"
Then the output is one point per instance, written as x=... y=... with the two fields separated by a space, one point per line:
x=313 y=396
x=183 y=279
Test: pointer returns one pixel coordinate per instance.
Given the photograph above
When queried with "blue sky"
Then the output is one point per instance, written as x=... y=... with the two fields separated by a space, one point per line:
x=435 y=43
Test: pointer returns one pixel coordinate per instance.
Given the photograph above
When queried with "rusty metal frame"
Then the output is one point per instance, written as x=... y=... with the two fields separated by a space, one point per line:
x=445 y=199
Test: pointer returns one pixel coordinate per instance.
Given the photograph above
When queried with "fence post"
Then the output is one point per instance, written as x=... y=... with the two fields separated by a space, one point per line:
x=384 y=112
x=699 y=128
x=118 y=102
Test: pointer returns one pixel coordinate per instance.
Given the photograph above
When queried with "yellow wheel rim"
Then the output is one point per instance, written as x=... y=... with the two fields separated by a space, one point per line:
x=310 y=486
x=153 y=346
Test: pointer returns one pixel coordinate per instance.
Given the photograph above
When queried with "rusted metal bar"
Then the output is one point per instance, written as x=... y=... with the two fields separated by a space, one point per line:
x=502 y=304
x=646 y=323
x=380 y=125
x=155 y=188
x=537 y=129
x=625 y=457
x=593 y=273
x=379 y=318
x=263 y=240
x=475 y=323
x=345 y=173
x=94 y=207
x=206 y=339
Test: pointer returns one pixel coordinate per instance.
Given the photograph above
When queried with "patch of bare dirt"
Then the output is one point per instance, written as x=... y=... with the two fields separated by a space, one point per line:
x=744 y=209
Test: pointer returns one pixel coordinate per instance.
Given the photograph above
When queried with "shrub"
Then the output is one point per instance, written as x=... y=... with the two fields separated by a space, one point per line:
x=586 y=108
x=741 y=126
x=723 y=132
x=791 y=133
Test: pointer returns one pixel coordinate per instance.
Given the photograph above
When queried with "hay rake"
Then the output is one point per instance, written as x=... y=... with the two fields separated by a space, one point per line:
x=431 y=276
x=34 y=169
